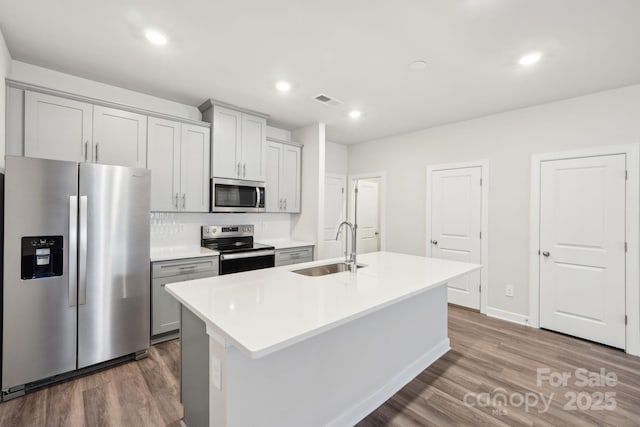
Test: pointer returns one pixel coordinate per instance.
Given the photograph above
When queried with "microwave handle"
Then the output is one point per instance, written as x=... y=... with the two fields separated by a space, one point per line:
x=258 y=197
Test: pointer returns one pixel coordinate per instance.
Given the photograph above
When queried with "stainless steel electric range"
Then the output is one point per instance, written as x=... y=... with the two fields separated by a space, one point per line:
x=238 y=251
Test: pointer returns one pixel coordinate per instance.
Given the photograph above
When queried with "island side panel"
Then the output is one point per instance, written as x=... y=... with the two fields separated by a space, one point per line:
x=338 y=377
x=194 y=369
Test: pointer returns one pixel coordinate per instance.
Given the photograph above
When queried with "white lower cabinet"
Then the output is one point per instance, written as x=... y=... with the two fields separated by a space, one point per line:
x=290 y=256
x=283 y=175
x=178 y=157
x=165 y=310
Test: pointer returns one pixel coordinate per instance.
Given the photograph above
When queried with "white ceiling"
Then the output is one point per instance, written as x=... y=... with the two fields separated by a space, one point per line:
x=358 y=51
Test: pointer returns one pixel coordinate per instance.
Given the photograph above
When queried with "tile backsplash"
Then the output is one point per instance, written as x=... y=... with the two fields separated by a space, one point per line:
x=183 y=229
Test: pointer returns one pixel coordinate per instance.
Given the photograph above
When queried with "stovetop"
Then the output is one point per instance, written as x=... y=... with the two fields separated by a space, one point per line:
x=230 y=239
x=234 y=246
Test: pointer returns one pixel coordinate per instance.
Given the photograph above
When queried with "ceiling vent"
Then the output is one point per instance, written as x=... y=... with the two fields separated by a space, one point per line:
x=327 y=100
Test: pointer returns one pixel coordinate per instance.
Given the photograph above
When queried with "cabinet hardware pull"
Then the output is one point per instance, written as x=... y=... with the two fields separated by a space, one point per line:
x=244 y=170
x=285 y=204
x=546 y=254
x=238 y=168
x=176 y=201
x=184 y=200
x=96 y=152
x=86 y=150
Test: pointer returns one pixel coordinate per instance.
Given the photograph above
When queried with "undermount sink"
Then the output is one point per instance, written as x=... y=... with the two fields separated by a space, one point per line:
x=323 y=270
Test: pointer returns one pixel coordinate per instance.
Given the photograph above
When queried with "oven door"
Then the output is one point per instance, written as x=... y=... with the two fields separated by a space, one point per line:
x=231 y=195
x=246 y=261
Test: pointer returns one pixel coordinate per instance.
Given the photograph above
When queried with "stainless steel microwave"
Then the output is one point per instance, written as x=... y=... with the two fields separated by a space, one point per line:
x=236 y=195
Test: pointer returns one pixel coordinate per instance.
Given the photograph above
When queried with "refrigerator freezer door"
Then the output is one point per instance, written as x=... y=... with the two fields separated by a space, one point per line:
x=113 y=301
x=39 y=314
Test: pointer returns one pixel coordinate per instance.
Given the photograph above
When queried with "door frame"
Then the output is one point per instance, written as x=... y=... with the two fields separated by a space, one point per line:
x=484 y=221
x=632 y=226
x=382 y=202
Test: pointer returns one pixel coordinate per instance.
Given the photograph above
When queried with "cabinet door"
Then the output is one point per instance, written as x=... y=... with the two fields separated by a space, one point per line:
x=165 y=310
x=290 y=178
x=273 y=200
x=57 y=128
x=119 y=137
x=164 y=161
x=254 y=144
x=227 y=132
x=194 y=176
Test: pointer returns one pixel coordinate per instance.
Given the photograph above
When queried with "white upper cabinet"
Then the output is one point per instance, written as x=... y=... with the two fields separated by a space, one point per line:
x=164 y=161
x=227 y=149
x=194 y=155
x=254 y=142
x=57 y=128
x=272 y=191
x=179 y=163
x=65 y=129
x=290 y=178
x=283 y=172
x=119 y=137
x=239 y=144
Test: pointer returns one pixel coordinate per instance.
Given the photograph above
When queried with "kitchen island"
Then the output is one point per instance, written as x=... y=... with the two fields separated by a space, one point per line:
x=276 y=348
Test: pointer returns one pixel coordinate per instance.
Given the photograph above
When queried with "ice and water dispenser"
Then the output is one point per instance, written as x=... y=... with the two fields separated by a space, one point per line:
x=42 y=256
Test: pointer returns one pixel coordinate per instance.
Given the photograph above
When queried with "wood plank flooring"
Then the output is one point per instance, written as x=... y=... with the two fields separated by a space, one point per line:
x=136 y=394
x=489 y=357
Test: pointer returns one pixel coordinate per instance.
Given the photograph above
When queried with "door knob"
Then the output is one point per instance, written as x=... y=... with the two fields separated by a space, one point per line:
x=546 y=253
x=434 y=242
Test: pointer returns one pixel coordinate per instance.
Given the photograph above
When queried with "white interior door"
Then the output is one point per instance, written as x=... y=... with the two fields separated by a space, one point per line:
x=335 y=211
x=368 y=216
x=456 y=218
x=582 y=245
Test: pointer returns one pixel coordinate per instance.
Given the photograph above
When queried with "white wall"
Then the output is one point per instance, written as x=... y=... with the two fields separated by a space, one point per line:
x=336 y=158
x=51 y=79
x=307 y=226
x=5 y=70
x=508 y=141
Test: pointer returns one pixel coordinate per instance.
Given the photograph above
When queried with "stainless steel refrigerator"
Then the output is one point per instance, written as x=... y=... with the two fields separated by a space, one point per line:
x=76 y=267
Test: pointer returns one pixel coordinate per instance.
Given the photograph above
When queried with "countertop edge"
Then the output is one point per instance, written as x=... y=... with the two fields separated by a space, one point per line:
x=259 y=353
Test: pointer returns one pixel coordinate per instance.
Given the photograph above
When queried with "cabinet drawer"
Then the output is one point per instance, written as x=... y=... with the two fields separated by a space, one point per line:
x=294 y=255
x=185 y=266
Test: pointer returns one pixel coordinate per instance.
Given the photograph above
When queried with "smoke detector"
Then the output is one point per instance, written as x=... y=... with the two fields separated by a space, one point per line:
x=327 y=100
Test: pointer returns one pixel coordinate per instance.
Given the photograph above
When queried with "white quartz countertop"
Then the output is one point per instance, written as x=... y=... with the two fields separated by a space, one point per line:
x=285 y=244
x=263 y=311
x=180 y=252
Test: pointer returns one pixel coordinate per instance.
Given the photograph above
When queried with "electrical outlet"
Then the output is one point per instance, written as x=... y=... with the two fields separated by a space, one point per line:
x=508 y=290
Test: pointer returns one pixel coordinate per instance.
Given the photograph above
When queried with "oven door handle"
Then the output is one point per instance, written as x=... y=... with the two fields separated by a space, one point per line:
x=258 y=197
x=252 y=254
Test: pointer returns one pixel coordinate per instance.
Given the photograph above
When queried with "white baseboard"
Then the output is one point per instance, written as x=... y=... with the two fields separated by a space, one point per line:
x=377 y=398
x=508 y=316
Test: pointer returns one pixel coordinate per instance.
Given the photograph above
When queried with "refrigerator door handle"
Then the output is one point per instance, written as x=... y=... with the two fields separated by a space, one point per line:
x=73 y=251
x=82 y=253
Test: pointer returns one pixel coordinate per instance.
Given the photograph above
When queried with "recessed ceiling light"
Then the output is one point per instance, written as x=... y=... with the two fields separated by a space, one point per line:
x=418 y=65
x=530 y=59
x=283 y=86
x=355 y=114
x=155 y=37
